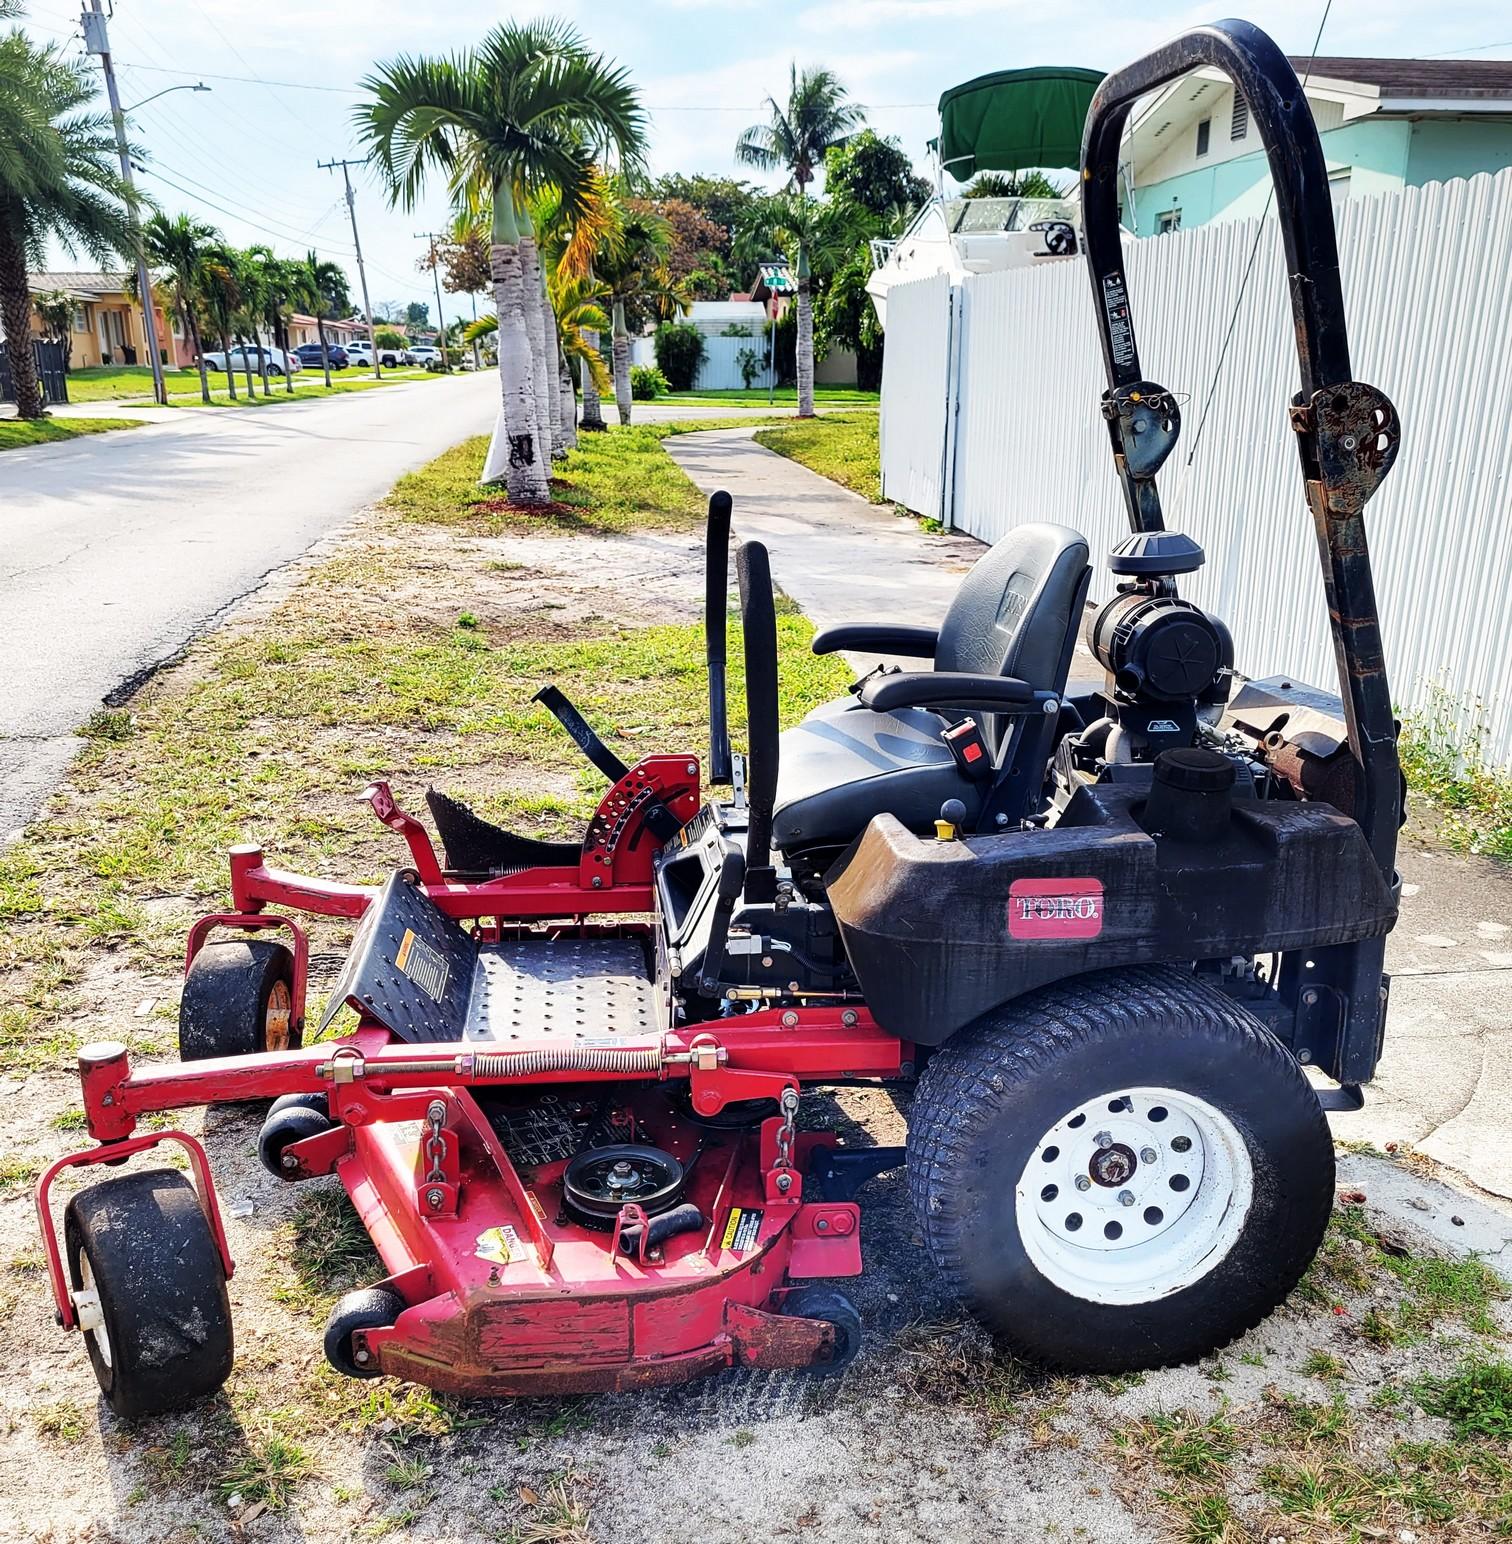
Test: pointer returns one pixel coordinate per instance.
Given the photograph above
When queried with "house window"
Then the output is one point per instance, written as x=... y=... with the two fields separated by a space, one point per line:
x=77 y=320
x=1239 y=123
x=1204 y=133
x=1168 y=222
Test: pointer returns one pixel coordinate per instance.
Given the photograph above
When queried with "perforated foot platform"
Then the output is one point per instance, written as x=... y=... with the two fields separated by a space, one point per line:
x=425 y=978
x=575 y=988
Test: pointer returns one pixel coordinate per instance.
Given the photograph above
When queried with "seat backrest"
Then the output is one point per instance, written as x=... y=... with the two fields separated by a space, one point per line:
x=1018 y=611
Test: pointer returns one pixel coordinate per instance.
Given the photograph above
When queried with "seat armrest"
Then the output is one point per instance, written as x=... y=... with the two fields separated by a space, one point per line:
x=869 y=637
x=948 y=689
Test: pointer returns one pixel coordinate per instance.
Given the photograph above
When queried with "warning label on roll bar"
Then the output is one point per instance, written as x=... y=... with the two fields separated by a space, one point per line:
x=1120 y=328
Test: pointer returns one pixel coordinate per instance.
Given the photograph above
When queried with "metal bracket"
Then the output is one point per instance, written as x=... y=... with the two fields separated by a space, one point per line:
x=1148 y=421
x=1354 y=433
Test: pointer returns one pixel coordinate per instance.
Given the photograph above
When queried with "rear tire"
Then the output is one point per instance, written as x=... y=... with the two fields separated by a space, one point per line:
x=161 y=1331
x=238 y=999
x=1097 y=1236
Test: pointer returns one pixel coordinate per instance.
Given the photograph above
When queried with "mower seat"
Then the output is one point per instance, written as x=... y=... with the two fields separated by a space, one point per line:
x=1016 y=613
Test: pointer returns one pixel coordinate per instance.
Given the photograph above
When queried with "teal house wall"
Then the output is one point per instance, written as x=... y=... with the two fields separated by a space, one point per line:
x=1382 y=155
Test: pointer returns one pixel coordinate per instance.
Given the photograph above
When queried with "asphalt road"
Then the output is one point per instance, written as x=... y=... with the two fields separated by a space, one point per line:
x=118 y=549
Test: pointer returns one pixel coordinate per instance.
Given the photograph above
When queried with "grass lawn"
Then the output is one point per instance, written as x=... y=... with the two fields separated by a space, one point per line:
x=784 y=396
x=843 y=448
x=16 y=433
x=103 y=383
x=612 y=482
x=309 y=384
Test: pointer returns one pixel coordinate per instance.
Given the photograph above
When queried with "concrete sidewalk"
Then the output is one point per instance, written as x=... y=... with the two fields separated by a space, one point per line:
x=1445 y=1082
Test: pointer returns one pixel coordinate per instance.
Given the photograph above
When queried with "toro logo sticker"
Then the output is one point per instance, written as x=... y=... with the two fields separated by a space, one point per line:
x=1055 y=908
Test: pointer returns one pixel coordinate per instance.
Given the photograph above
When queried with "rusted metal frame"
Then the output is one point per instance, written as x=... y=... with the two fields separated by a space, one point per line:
x=116 y=1153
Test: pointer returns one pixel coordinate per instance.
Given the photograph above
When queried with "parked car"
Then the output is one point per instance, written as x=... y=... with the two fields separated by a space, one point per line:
x=362 y=354
x=247 y=356
x=423 y=354
x=309 y=354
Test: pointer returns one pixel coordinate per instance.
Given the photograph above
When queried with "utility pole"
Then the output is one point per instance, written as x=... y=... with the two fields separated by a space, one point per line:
x=433 y=238
x=351 y=198
x=97 y=41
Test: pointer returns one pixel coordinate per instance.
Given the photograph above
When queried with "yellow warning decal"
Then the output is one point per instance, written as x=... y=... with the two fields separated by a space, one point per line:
x=742 y=1229
x=501 y=1245
x=424 y=965
x=405 y=945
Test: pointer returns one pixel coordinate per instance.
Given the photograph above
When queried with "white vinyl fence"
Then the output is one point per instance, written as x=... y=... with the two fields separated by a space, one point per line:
x=1428 y=293
x=720 y=370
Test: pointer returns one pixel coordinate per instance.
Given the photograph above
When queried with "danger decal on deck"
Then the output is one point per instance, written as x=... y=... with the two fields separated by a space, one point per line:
x=741 y=1229
x=1055 y=908
x=425 y=966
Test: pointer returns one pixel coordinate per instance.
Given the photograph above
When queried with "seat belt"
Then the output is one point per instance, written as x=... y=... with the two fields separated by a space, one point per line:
x=661 y=822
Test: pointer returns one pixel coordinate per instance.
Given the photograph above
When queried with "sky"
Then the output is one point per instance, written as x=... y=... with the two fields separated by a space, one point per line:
x=243 y=155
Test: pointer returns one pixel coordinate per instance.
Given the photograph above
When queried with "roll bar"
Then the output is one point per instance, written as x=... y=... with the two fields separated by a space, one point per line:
x=1347 y=432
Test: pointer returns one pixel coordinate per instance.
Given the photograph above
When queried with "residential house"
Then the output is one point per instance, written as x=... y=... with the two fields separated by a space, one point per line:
x=713 y=318
x=304 y=329
x=107 y=320
x=1193 y=154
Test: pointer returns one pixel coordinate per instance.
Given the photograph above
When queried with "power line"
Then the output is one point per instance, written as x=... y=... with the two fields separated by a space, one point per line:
x=302 y=239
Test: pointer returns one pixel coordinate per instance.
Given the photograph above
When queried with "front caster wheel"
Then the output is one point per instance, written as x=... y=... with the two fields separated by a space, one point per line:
x=238 y=999
x=1119 y=1172
x=150 y=1291
x=834 y=1308
x=370 y=1309
x=282 y=1128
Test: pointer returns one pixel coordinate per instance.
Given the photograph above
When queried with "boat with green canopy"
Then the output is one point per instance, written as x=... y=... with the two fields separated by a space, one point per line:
x=1012 y=122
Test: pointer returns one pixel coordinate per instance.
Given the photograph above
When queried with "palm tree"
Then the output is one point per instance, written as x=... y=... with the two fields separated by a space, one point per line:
x=322 y=287
x=528 y=108
x=57 y=181
x=221 y=299
x=178 y=247
x=633 y=265
x=819 y=114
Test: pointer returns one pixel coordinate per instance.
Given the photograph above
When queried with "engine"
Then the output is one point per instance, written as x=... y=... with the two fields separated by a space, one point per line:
x=1164 y=657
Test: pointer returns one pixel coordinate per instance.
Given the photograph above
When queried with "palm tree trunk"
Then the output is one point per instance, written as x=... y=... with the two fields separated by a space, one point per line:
x=562 y=430
x=530 y=265
x=621 y=352
x=198 y=345
x=15 y=312
x=514 y=456
x=226 y=355
x=283 y=334
x=246 y=367
x=325 y=357
x=805 y=349
x=262 y=361
x=567 y=399
x=593 y=412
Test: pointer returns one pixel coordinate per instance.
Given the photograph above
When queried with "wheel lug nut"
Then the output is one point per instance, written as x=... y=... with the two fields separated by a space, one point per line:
x=1181 y=1144
x=1082 y=1182
x=1148 y=1155
x=1126 y=1198
x=1104 y=1139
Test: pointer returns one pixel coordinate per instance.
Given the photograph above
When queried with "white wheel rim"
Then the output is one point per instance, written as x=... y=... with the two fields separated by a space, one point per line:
x=87 y=1307
x=1134 y=1195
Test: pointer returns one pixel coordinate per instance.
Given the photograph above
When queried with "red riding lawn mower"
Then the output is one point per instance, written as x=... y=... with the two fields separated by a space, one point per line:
x=1103 y=928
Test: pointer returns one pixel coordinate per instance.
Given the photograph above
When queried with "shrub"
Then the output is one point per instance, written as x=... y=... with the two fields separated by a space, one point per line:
x=679 y=352
x=736 y=330
x=388 y=338
x=646 y=382
x=751 y=365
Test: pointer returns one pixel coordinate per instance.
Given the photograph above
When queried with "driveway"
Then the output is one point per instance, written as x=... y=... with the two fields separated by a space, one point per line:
x=120 y=548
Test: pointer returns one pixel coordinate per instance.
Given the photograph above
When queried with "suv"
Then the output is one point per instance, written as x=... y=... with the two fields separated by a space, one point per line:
x=309 y=354
x=424 y=354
